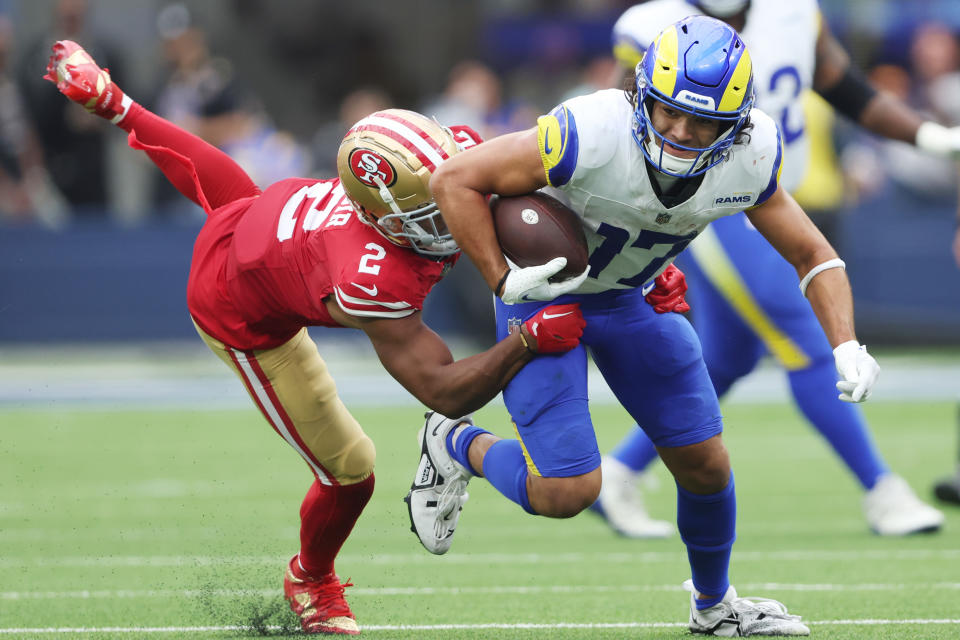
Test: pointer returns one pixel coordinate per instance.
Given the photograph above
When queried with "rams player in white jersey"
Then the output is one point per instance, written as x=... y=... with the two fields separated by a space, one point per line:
x=744 y=305
x=647 y=170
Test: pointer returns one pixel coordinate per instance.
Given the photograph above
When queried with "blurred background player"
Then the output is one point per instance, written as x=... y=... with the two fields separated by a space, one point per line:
x=338 y=253
x=743 y=305
x=646 y=170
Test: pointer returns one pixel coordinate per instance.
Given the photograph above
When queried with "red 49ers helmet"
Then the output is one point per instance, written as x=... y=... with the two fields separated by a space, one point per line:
x=385 y=162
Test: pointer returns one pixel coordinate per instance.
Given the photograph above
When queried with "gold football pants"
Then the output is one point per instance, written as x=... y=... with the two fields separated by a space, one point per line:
x=294 y=391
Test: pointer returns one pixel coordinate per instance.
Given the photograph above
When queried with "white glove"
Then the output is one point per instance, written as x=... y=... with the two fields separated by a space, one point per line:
x=532 y=283
x=938 y=139
x=858 y=371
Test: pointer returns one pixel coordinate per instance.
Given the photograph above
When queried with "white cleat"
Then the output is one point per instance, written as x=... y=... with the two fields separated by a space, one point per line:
x=734 y=617
x=893 y=509
x=439 y=487
x=620 y=503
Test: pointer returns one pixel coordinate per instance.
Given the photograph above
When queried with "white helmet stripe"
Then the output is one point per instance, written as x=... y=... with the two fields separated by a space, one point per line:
x=406 y=136
x=417 y=130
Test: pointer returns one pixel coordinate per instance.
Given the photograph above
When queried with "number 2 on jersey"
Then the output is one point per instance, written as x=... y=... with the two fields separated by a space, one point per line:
x=614 y=240
x=378 y=254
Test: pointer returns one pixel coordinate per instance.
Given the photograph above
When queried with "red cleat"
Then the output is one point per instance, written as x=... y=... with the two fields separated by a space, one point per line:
x=319 y=603
x=79 y=78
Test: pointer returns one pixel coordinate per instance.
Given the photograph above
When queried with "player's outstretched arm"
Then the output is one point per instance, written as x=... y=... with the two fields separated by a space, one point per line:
x=823 y=280
x=420 y=360
x=880 y=112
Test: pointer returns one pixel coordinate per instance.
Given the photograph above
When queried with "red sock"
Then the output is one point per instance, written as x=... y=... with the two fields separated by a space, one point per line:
x=198 y=170
x=327 y=516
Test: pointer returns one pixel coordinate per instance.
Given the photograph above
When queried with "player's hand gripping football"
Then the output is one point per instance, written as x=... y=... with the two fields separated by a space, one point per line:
x=554 y=329
x=526 y=284
x=858 y=371
x=668 y=294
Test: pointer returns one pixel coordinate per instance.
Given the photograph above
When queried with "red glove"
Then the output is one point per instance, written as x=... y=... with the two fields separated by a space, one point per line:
x=667 y=296
x=555 y=329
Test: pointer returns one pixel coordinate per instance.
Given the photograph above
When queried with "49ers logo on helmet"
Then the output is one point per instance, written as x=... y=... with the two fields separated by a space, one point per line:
x=367 y=165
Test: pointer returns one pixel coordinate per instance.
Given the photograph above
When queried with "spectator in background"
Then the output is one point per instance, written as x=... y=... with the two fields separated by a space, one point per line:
x=935 y=61
x=474 y=95
x=73 y=144
x=601 y=72
x=25 y=193
x=203 y=96
x=356 y=105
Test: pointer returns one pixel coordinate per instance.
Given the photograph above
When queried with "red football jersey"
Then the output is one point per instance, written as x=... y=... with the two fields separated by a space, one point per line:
x=263 y=266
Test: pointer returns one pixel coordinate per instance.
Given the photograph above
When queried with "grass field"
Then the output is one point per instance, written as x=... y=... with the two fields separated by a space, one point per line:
x=169 y=523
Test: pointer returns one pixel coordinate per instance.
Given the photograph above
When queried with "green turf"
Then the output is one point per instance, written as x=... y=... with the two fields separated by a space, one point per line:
x=129 y=519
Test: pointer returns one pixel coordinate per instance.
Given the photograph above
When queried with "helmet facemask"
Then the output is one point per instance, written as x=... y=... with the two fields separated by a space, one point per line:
x=422 y=227
x=654 y=144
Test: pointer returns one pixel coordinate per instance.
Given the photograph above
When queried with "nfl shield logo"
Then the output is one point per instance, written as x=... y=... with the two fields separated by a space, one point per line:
x=663 y=218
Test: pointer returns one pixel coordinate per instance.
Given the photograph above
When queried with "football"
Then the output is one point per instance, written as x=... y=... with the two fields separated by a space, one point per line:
x=534 y=228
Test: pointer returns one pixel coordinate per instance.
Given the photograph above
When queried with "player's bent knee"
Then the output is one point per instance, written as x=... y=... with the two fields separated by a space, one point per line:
x=705 y=480
x=702 y=468
x=356 y=463
x=564 y=497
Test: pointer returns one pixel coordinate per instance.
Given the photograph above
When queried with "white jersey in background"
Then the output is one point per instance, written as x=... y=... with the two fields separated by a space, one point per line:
x=781 y=37
x=590 y=155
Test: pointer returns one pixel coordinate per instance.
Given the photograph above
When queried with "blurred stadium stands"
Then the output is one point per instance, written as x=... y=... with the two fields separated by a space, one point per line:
x=119 y=273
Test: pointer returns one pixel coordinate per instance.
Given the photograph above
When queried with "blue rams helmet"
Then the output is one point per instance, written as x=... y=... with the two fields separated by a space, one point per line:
x=699 y=66
x=720 y=8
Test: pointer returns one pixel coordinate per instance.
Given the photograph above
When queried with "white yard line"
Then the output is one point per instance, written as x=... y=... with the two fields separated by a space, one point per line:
x=113 y=594
x=479 y=558
x=456 y=627
x=191 y=378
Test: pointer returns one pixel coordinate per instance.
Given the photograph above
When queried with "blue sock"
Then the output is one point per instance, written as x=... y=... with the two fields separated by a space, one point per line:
x=466 y=435
x=707 y=525
x=841 y=423
x=636 y=450
x=506 y=469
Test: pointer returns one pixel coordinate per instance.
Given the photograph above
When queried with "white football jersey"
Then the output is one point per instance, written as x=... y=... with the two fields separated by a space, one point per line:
x=590 y=155
x=781 y=36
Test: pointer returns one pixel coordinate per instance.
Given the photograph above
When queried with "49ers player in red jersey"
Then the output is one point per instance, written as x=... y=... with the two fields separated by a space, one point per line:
x=359 y=251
